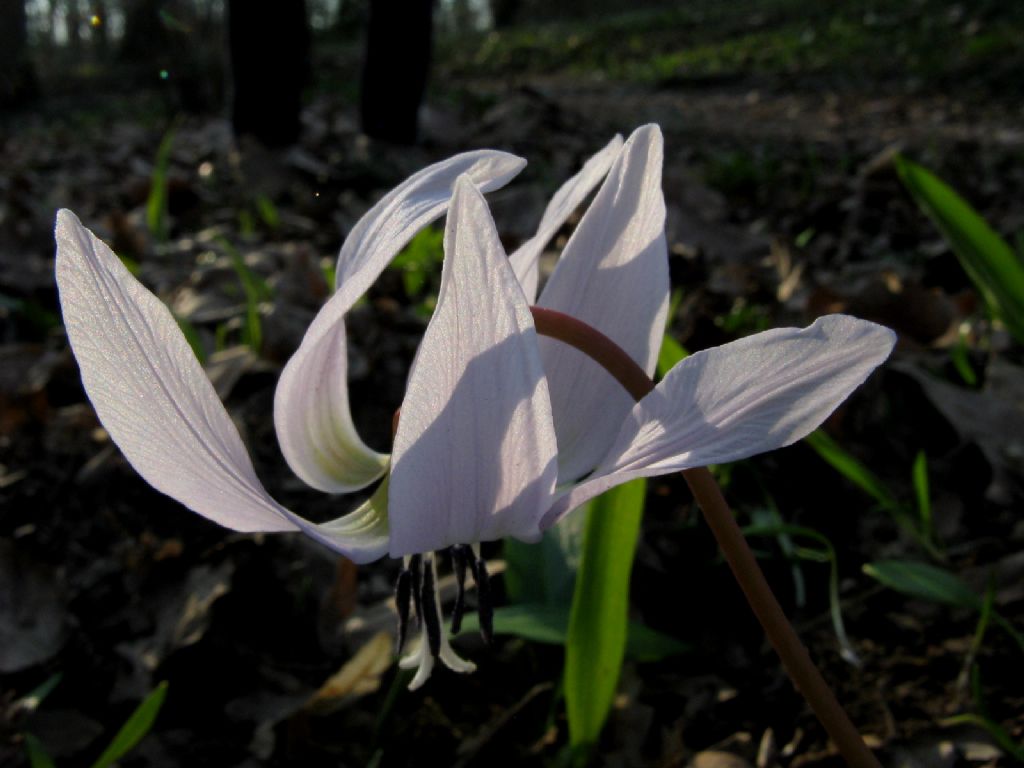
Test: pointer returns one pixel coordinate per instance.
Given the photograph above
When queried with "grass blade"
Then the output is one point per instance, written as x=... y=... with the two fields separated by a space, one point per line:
x=37 y=756
x=135 y=727
x=596 y=640
x=999 y=734
x=852 y=469
x=547 y=623
x=925 y=582
x=671 y=352
x=987 y=258
x=827 y=554
x=922 y=493
x=156 y=204
x=858 y=474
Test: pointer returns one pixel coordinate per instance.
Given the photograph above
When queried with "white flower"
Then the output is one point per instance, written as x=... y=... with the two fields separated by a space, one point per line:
x=501 y=432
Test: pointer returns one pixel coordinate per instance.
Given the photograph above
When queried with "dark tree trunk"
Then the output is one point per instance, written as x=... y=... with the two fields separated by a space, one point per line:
x=269 y=46
x=145 y=37
x=17 y=76
x=504 y=13
x=73 y=20
x=395 y=68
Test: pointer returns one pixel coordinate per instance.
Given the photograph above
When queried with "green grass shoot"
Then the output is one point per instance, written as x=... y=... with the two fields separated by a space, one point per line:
x=922 y=494
x=549 y=624
x=988 y=260
x=156 y=204
x=857 y=473
x=256 y=292
x=824 y=553
x=934 y=584
x=596 y=640
x=135 y=727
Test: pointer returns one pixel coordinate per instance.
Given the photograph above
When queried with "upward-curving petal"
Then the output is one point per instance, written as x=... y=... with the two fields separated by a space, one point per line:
x=159 y=407
x=311 y=407
x=475 y=451
x=525 y=260
x=612 y=275
x=737 y=400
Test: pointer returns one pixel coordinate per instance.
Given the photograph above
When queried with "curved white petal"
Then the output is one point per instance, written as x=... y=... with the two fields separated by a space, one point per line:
x=475 y=451
x=156 y=402
x=525 y=260
x=311 y=408
x=743 y=398
x=314 y=422
x=613 y=275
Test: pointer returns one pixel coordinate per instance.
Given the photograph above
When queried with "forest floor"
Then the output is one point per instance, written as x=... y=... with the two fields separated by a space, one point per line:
x=783 y=204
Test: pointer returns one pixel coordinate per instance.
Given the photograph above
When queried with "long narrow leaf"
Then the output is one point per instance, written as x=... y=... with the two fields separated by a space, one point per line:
x=827 y=554
x=988 y=260
x=858 y=474
x=596 y=640
x=852 y=469
x=156 y=204
x=37 y=755
x=919 y=474
x=547 y=623
x=134 y=728
x=924 y=581
x=671 y=352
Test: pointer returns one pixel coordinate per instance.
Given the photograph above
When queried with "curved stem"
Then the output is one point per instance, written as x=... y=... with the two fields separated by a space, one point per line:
x=780 y=632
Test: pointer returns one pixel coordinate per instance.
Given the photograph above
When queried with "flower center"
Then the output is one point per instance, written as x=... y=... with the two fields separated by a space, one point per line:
x=417 y=591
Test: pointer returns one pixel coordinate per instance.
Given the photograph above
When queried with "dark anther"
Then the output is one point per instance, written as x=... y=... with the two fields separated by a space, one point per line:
x=416 y=569
x=431 y=617
x=459 y=567
x=484 y=605
x=403 y=594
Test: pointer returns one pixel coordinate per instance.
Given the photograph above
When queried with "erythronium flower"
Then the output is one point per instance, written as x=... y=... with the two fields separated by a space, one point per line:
x=482 y=449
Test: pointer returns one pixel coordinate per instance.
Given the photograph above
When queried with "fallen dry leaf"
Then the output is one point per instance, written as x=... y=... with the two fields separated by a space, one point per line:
x=359 y=676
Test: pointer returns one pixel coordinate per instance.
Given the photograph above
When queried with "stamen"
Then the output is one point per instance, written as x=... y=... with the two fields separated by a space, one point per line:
x=458 y=553
x=416 y=568
x=484 y=604
x=431 y=609
x=433 y=642
x=403 y=596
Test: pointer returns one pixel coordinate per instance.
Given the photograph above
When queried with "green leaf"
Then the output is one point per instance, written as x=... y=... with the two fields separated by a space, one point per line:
x=546 y=623
x=268 y=211
x=192 y=337
x=31 y=701
x=671 y=352
x=925 y=582
x=134 y=728
x=37 y=756
x=156 y=204
x=646 y=644
x=419 y=260
x=827 y=554
x=987 y=258
x=922 y=493
x=852 y=469
x=545 y=572
x=256 y=290
x=958 y=354
x=596 y=640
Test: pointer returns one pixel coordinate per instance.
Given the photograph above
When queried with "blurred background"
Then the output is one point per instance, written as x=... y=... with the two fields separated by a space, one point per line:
x=225 y=149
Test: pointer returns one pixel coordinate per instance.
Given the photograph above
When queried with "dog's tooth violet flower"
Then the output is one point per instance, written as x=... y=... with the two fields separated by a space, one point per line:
x=159 y=407
x=501 y=433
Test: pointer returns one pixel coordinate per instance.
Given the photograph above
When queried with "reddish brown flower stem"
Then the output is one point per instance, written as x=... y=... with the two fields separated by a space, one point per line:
x=720 y=519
